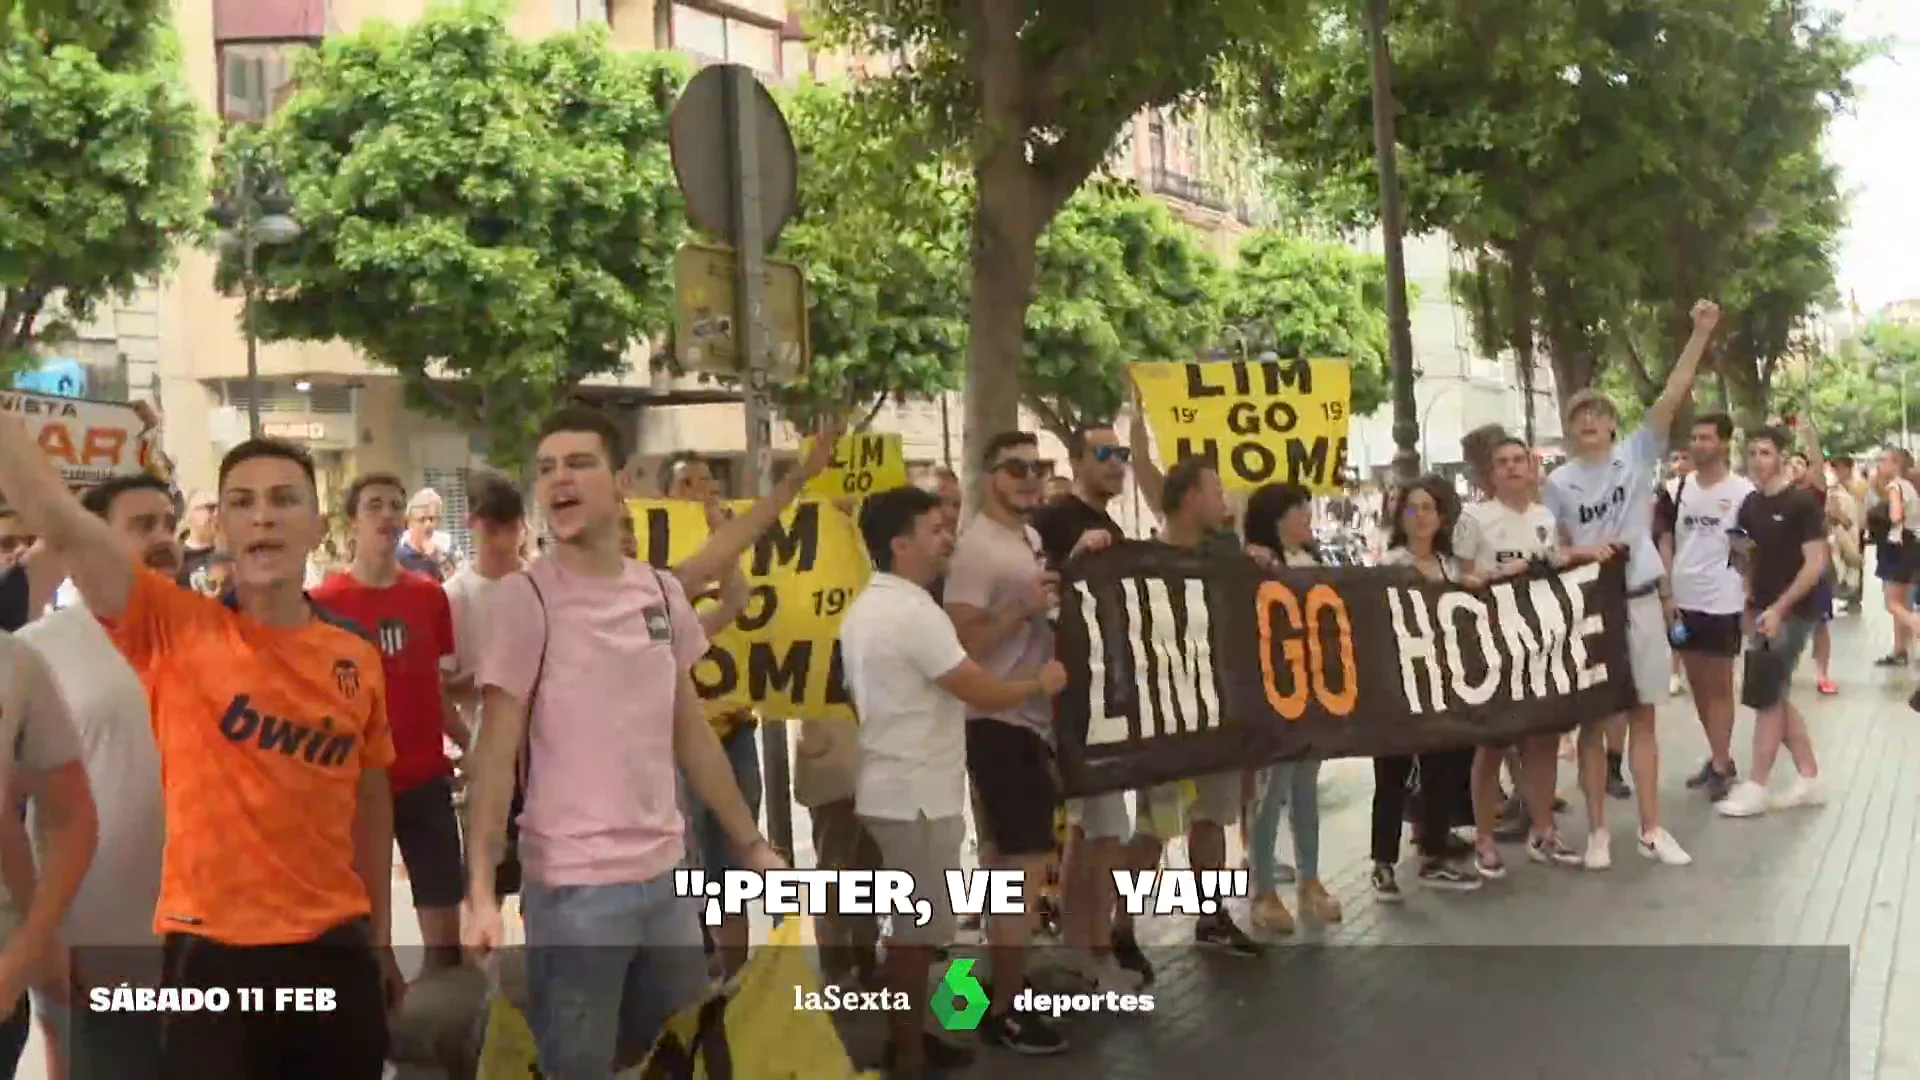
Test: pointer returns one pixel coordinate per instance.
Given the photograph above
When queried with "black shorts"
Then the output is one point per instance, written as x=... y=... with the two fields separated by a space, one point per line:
x=1710 y=635
x=347 y=1043
x=1013 y=780
x=428 y=831
x=1892 y=563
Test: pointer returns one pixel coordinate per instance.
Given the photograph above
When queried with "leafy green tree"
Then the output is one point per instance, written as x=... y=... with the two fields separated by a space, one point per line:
x=1299 y=297
x=1036 y=93
x=492 y=217
x=881 y=236
x=100 y=163
x=1855 y=391
x=1121 y=280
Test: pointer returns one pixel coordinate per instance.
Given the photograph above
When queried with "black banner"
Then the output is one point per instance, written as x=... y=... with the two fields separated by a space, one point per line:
x=1183 y=664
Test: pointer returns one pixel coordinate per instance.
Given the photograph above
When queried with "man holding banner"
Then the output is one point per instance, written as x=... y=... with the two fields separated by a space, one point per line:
x=1603 y=497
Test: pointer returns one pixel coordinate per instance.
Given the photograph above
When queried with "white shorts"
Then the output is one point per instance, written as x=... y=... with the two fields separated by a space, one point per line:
x=1101 y=817
x=1216 y=799
x=1649 y=652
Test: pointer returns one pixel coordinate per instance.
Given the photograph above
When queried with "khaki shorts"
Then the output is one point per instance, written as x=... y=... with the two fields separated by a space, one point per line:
x=926 y=848
x=1171 y=808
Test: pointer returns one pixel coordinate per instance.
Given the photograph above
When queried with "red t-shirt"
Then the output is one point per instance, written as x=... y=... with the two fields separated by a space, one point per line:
x=411 y=624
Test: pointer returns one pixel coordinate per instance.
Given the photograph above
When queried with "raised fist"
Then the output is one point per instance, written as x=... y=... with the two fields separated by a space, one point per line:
x=1706 y=314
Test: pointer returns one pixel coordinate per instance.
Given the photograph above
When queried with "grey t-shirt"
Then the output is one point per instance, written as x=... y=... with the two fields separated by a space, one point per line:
x=1611 y=502
x=993 y=567
x=38 y=730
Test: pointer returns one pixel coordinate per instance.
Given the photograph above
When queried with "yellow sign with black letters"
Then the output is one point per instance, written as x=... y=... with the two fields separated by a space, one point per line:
x=1259 y=422
x=782 y=654
x=863 y=464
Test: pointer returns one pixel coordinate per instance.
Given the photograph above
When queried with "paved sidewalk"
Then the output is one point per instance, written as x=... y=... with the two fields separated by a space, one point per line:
x=1640 y=971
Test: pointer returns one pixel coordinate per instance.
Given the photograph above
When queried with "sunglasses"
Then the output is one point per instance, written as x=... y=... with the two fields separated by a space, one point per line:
x=1112 y=453
x=1018 y=468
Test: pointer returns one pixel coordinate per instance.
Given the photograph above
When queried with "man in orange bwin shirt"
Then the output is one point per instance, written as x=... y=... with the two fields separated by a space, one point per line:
x=272 y=728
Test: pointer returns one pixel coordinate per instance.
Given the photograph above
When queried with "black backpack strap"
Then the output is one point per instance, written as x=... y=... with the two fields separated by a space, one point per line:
x=507 y=875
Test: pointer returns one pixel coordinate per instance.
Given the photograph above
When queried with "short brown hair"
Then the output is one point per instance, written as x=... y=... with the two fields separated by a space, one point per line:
x=592 y=421
x=1591 y=400
x=351 y=504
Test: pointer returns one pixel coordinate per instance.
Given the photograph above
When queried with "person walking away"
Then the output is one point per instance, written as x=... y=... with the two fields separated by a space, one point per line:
x=1893 y=512
x=1844 y=526
x=1076 y=525
x=1783 y=552
x=278 y=860
x=109 y=926
x=1601 y=498
x=612 y=952
x=913 y=685
x=409 y=618
x=999 y=595
x=1279 y=532
x=1503 y=537
x=1708 y=595
x=1421 y=541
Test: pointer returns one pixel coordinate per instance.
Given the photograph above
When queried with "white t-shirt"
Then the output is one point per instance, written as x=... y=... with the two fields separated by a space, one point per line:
x=467 y=594
x=1611 y=502
x=1491 y=532
x=1449 y=564
x=36 y=733
x=108 y=706
x=1704 y=579
x=896 y=644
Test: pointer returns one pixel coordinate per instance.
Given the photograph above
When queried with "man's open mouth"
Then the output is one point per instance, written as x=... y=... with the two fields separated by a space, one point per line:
x=565 y=502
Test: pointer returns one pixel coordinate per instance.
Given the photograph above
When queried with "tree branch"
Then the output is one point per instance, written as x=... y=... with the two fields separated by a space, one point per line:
x=1637 y=367
x=867 y=421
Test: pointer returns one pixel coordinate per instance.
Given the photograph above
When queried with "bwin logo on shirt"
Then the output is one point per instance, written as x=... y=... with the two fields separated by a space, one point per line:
x=1593 y=512
x=241 y=723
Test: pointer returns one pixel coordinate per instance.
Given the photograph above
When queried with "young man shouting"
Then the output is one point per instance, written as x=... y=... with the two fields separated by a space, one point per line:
x=587 y=673
x=1602 y=498
x=272 y=726
x=1784 y=554
x=410 y=620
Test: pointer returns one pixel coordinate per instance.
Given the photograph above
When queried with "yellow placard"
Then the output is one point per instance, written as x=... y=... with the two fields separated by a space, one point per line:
x=1259 y=422
x=863 y=464
x=782 y=654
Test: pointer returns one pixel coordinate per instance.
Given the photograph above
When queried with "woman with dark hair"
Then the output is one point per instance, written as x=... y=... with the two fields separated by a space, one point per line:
x=1421 y=543
x=1279 y=532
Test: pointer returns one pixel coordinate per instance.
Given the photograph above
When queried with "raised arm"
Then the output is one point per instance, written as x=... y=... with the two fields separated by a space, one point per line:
x=734 y=597
x=92 y=555
x=1706 y=315
x=725 y=544
x=1146 y=474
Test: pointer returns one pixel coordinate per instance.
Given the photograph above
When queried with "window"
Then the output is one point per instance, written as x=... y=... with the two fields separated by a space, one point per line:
x=572 y=14
x=1157 y=143
x=256 y=78
x=711 y=38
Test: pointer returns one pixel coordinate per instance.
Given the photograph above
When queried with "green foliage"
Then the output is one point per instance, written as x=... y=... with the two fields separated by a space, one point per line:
x=492 y=217
x=1307 y=298
x=1121 y=281
x=1855 y=391
x=100 y=163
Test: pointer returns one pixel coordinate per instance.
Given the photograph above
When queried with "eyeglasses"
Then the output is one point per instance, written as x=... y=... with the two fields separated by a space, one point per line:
x=1018 y=468
x=1112 y=453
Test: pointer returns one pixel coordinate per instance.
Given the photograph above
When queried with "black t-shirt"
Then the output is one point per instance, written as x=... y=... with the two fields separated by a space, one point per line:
x=14 y=598
x=1779 y=525
x=1063 y=522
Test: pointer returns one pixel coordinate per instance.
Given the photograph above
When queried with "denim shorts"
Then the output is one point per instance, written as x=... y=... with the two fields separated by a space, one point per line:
x=607 y=967
x=710 y=843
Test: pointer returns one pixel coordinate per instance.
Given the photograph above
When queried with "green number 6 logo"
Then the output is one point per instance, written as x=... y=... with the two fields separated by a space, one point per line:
x=960 y=1002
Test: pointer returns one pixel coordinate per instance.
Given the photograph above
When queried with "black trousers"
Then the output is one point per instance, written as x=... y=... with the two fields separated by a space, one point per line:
x=347 y=1043
x=14 y=1033
x=1442 y=775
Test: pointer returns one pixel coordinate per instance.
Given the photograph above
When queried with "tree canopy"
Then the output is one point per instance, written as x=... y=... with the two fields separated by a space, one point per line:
x=1856 y=390
x=1034 y=94
x=1298 y=297
x=100 y=163
x=494 y=218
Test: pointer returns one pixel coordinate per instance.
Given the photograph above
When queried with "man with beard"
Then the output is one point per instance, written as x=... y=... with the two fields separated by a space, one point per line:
x=1076 y=524
x=613 y=952
x=109 y=925
x=408 y=616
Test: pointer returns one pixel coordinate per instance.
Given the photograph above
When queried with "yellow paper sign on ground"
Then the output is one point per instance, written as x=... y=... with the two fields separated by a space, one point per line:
x=863 y=464
x=1259 y=422
x=781 y=655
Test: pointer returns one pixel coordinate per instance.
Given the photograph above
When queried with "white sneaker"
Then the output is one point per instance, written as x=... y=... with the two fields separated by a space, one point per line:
x=1660 y=844
x=1804 y=792
x=1747 y=799
x=1599 y=850
x=1676 y=685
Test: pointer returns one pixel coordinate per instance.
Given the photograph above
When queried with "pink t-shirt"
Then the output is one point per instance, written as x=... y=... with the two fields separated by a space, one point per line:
x=602 y=805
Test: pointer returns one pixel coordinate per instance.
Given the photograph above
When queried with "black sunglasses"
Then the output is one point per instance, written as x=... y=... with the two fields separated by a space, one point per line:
x=1018 y=468
x=1112 y=453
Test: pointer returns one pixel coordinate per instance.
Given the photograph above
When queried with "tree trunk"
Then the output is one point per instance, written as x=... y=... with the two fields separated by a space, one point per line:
x=1520 y=335
x=1746 y=387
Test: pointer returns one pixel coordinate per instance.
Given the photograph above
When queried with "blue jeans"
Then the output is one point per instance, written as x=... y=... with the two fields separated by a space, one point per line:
x=1293 y=787
x=710 y=844
x=607 y=967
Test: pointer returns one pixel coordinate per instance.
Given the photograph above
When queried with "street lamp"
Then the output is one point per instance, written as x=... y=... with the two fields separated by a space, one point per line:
x=250 y=220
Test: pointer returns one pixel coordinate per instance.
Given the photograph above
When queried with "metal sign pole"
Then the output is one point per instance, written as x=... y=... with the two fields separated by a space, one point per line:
x=750 y=332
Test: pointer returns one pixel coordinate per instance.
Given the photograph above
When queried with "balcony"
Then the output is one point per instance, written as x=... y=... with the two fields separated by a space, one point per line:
x=1196 y=192
x=269 y=20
